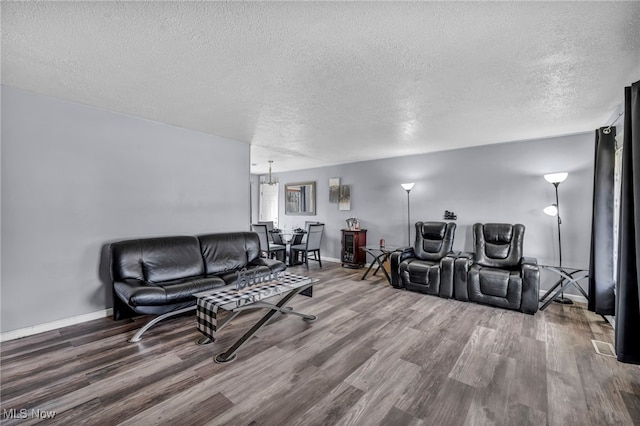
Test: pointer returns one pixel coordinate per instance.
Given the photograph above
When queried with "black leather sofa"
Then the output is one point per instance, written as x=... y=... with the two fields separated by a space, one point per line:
x=159 y=276
x=425 y=267
x=496 y=273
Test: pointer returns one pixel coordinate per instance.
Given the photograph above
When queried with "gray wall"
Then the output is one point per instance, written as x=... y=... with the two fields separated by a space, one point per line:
x=76 y=177
x=494 y=183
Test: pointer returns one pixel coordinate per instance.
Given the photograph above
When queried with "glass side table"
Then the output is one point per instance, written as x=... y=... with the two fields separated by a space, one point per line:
x=569 y=276
x=380 y=255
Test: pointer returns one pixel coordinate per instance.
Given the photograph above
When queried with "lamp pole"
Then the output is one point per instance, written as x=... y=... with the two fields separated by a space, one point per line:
x=559 y=222
x=408 y=218
x=556 y=179
x=407 y=187
x=560 y=299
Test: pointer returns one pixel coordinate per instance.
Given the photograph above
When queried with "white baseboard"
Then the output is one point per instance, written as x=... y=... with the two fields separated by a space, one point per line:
x=574 y=297
x=54 y=325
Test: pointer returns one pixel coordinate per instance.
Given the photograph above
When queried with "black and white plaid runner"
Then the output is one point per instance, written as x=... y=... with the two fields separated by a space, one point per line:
x=208 y=305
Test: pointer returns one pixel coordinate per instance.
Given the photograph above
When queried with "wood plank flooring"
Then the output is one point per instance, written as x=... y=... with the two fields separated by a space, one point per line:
x=375 y=355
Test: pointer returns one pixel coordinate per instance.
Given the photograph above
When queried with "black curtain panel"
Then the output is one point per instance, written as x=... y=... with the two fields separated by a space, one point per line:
x=628 y=280
x=601 y=283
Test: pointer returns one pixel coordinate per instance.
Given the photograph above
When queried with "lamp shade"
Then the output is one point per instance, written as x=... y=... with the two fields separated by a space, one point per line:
x=556 y=177
x=551 y=210
x=408 y=186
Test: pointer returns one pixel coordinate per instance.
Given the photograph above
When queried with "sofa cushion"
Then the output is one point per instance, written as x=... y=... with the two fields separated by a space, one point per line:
x=223 y=252
x=157 y=259
x=138 y=293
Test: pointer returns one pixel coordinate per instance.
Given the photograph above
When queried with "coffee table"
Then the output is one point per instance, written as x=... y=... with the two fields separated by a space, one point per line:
x=229 y=298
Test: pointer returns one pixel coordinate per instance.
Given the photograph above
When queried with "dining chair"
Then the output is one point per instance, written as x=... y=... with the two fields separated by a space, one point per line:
x=306 y=228
x=271 y=250
x=269 y=224
x=312 y=245
x=278 y=238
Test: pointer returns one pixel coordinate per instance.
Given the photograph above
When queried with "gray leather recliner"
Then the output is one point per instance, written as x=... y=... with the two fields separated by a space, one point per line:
x=425 y=267
x=496 y=273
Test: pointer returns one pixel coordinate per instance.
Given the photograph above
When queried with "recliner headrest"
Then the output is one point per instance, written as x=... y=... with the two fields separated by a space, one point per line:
x=498 y=233
x=433 y=231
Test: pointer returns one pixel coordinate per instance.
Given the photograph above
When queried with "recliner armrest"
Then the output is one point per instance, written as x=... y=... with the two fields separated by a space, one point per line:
x=462 y=263
x=396 y=259
x=447 y=268
x=530 y=285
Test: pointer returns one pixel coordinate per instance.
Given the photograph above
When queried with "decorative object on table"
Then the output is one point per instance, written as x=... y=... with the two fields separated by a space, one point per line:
x=353 y=224
x=407 y=187
x=449 y=215
x=345 y=197
x=334 y=190
x=554 y=210
x=351 y=254
x=251 y=277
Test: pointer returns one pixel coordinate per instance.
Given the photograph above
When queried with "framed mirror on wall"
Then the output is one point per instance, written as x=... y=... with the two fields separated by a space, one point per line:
x=300 y=198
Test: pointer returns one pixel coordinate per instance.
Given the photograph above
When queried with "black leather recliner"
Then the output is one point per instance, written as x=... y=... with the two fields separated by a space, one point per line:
x=159 y=276
x=425 y=267
x=496 y=273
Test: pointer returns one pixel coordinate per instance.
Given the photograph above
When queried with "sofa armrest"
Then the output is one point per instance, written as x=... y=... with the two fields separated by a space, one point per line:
x=462 y=263
x=530 y=285
x=396 y=259
x=126 y=289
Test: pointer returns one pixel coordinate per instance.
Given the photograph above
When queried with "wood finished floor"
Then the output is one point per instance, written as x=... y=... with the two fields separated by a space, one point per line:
x=375 y=355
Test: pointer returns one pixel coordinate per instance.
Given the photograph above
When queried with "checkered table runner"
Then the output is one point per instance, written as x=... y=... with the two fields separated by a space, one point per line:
x=228 y=298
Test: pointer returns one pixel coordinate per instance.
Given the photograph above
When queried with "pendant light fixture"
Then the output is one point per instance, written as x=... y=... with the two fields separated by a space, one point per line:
x=271 y=181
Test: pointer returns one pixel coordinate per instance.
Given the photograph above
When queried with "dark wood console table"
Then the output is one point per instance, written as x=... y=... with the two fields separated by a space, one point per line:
x=352 y=241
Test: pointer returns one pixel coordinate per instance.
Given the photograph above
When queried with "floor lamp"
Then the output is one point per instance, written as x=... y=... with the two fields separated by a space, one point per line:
x=407 y=187
x=554 y=210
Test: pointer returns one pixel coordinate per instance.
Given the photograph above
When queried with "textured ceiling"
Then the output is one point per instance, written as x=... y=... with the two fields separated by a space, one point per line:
x=311 y=84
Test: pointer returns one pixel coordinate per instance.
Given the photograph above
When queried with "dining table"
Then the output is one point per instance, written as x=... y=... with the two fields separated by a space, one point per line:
x=288 y=239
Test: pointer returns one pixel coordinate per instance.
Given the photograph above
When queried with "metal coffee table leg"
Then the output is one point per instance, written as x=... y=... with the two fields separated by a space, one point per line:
x=230 y=355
